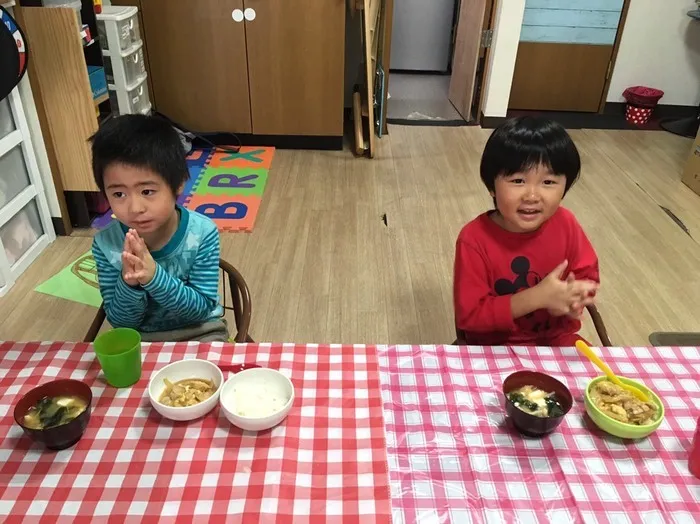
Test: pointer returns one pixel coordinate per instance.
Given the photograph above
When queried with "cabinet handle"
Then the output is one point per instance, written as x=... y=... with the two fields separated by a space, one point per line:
x=237 y=15
x=249 y=14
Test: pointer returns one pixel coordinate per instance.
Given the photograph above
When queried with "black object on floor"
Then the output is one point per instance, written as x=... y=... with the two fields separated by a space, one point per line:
x=434 y=123
x=669 y=338
x=687 y=127
x=676 y=220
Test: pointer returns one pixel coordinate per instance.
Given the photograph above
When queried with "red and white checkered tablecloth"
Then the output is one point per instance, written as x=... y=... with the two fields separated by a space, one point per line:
x=325 y=463
x=452 y=457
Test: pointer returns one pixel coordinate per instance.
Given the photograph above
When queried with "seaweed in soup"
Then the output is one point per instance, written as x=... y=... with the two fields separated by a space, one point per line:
x=50 y=412
x=535 y=401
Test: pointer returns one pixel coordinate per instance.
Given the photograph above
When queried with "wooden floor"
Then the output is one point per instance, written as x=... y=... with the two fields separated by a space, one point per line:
x=323 y=266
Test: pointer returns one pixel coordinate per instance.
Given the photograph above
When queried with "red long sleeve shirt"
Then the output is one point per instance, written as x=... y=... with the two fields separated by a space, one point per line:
x=492 y=264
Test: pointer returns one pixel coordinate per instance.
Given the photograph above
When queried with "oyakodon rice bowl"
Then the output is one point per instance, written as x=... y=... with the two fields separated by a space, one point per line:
x=615 y=427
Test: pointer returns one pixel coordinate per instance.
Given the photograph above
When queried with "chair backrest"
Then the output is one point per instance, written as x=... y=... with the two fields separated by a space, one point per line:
x=240 y=297
x=599 y=326
x=462 y=339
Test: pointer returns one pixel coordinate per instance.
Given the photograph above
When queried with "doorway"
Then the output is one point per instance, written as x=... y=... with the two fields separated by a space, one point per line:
x=566 y=53
x=437 y=58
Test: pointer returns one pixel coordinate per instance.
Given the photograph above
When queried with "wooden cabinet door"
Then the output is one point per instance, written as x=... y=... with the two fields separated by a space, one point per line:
x=565 y=53
x=197 y=54
x=296 y=53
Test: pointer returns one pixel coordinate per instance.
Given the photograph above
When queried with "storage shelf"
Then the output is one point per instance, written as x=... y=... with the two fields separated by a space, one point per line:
x=100 y=99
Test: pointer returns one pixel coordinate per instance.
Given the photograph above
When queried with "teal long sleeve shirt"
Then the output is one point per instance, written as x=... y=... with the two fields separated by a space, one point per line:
x=184 y=290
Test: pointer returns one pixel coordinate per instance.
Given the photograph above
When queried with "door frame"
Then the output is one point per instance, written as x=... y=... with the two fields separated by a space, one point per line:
x=461 y=80
x=613 y=57
x=477 y=99
x=488 y=25
x=386 y=57
x=476 y=103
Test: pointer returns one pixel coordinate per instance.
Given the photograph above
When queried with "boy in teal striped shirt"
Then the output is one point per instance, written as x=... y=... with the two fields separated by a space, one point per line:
x=158 y=264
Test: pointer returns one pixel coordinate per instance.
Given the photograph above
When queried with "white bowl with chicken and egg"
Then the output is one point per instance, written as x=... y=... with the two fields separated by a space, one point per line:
x=186 y=389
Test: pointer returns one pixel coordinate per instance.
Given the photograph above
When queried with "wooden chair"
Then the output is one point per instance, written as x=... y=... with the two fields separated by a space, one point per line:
x=592 y=310
x=240 y=298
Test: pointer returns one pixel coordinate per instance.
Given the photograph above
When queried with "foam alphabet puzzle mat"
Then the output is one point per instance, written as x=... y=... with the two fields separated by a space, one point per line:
x=229 y=186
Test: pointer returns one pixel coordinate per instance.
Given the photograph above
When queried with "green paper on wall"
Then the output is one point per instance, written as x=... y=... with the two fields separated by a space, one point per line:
x=76 y=282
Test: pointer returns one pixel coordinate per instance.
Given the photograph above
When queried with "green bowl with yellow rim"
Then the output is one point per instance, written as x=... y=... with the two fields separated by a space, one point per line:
x=623 y=429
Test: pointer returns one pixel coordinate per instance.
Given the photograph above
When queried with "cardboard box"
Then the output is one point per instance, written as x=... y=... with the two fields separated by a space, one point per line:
x=691 y=174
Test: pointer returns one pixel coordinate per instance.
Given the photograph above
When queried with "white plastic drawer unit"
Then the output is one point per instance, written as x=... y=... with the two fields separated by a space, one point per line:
x=21 y=232
x=14 y=175
x=118 y=27
x=124 y=68
x=132 y=99
x=25 y=220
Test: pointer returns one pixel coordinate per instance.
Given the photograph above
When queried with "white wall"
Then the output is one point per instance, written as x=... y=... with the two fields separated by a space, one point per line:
x=504 y=49
x=660 y=48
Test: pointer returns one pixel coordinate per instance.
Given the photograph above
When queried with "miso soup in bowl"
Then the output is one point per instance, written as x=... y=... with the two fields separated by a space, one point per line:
x=56 y=413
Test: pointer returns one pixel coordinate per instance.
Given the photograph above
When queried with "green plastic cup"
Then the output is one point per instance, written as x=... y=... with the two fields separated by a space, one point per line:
x=119 y=353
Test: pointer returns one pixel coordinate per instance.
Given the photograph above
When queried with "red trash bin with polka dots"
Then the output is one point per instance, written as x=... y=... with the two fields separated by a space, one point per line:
x=641 y=102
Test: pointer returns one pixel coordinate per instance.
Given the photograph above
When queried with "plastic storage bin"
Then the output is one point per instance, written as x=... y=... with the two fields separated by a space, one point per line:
x=124 y=69
x=132 y=99
x=118 y=27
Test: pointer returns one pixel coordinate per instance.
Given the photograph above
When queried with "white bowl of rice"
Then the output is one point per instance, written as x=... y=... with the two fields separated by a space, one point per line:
x=256 y=399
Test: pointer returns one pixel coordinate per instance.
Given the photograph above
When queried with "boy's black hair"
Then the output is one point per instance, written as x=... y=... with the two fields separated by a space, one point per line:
x=139 y=141
x=522 y=143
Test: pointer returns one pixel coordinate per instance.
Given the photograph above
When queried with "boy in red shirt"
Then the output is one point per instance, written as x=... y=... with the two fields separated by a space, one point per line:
x=525 y=271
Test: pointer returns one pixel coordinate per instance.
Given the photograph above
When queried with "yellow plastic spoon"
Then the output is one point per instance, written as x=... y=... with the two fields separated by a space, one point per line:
x=588 y=352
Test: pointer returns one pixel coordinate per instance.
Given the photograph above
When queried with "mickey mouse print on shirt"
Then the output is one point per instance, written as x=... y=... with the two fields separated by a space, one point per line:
x=537 y=321
x=524 y=278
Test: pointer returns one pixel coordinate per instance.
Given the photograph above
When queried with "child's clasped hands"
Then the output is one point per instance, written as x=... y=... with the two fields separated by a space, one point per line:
x=566 y=296
x=138 y=266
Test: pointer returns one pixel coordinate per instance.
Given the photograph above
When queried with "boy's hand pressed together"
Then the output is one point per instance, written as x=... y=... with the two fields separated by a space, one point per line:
x=128 y=267
x=140 y=259
x=566 y=297
x=585 y=296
